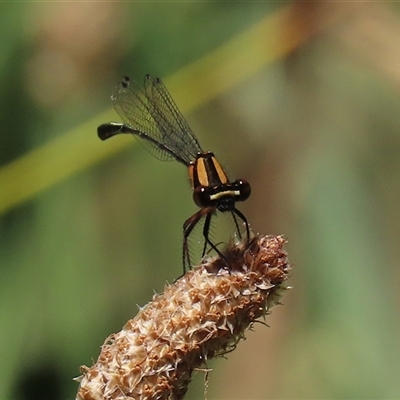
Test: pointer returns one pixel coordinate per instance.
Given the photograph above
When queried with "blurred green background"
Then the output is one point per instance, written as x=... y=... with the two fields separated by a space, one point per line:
x=301 y=99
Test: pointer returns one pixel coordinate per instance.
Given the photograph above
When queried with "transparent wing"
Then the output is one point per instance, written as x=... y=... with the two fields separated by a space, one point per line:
x=164 y=131
x=158 y=93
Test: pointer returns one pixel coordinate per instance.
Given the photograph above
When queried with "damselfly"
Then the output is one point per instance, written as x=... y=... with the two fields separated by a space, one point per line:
x=150 y=114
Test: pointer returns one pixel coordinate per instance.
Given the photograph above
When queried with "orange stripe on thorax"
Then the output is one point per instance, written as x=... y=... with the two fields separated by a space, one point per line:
x=207 y=171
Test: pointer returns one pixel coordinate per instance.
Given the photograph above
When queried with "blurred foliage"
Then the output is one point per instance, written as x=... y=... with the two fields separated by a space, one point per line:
x=300 y=99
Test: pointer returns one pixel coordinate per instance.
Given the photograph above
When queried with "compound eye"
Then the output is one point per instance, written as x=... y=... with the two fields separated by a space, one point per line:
x=201 y=196
x=244 y=189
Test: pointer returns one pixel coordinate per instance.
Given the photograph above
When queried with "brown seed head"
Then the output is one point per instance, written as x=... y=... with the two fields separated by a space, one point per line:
x=202 y=315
